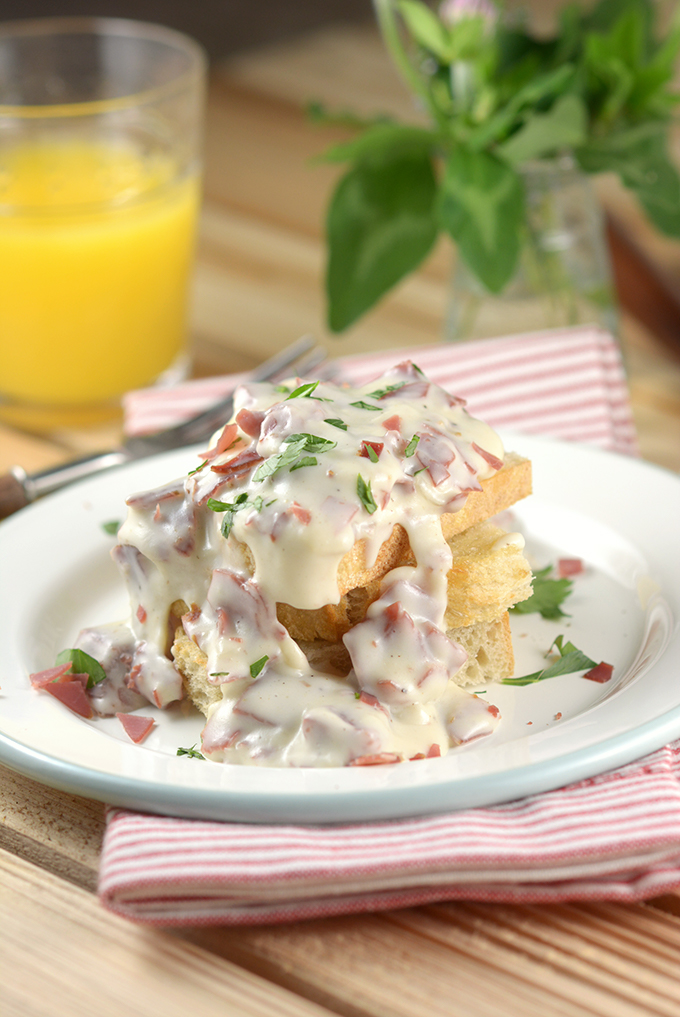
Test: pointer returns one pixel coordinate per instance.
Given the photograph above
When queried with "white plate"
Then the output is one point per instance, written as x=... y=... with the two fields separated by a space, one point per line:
x=619 y=515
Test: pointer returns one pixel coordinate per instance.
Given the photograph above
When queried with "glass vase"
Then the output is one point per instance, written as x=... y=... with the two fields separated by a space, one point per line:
x=563 y=276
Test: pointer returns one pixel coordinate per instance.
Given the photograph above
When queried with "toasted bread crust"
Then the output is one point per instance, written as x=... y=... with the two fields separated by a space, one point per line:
x=488 y=645
x=486 y=577
x=499 y=492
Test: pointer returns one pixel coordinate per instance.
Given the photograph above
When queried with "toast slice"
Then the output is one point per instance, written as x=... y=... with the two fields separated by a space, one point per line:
x=488 y=645
x=488 y=575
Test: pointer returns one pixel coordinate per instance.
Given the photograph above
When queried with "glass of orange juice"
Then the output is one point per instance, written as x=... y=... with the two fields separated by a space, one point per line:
x=100 y=139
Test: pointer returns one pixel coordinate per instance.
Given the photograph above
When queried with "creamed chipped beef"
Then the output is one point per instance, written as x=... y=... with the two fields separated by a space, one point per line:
x=302 y=473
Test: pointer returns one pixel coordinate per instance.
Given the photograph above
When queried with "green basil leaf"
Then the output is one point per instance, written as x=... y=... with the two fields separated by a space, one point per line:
x=380 y=226
x=538 y=89
x=112 y=527
x=659 y=71
x=336 y=423
x=605 y=14
x=468 y=38
x=482 y=207
x=381 y=141
x=318 y=113
x=82 y=663
x=639 y=157
x=426 y=28
x=564 y=126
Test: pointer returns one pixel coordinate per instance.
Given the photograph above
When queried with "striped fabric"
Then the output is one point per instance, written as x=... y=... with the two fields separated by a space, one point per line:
x=568 y=384
x=613 y=837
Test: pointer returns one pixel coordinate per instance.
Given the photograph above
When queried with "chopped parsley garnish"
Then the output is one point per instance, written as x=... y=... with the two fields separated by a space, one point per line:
x=200 y=467
x=306 y=461
x=371 y=452
x=336 y=423
x=303 y=391
x=361 y=405
x=380 y=392
x=547 y=596
x=192 y=752
x=219 y=674
x=83 y=663
x=569 y=660
x=231 y=508
x=281 y=388
x=112 y=527
x=292 y=456
x=365 y=495
x=257 y=667
x=411 y=447
x=313 y=443
x=224 y=506
x=293 y=451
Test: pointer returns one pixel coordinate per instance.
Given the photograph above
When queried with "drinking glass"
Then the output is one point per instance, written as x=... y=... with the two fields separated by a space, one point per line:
x=100 y=139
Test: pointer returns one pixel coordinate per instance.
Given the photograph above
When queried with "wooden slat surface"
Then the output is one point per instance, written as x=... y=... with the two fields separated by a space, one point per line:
x=258 y=285
x=62 y=954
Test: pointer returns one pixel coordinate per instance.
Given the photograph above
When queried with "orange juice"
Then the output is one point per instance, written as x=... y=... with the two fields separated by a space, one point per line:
x=96 y=245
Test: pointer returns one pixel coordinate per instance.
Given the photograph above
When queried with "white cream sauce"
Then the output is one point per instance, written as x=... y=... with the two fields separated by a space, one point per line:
x=308 y=469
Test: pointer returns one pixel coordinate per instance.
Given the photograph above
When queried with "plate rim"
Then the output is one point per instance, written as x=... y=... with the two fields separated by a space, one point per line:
x=123 y=790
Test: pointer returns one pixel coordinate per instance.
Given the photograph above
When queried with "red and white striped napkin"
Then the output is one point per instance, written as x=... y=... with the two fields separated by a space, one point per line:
x=566 y=383
x=613 y=837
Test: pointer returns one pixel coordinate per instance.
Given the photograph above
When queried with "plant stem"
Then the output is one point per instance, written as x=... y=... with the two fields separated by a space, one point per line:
x=389 y=28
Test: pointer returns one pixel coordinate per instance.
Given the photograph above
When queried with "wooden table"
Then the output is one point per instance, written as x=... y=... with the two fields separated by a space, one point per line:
x=258 y=285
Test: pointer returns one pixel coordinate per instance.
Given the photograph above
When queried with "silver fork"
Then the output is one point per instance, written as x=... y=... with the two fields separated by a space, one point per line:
x=18 y=488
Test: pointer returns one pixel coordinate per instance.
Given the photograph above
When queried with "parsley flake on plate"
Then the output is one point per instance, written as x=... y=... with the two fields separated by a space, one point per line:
x=82 y=663
x=570 y=659
x=191 y=752
x=547 y=597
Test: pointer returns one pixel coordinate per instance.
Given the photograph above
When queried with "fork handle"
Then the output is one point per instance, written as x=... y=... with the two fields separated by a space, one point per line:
x=18 y=489
x=12 y=492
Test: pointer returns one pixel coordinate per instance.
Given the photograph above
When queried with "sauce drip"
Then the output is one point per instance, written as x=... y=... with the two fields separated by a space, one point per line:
x=304 y=472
